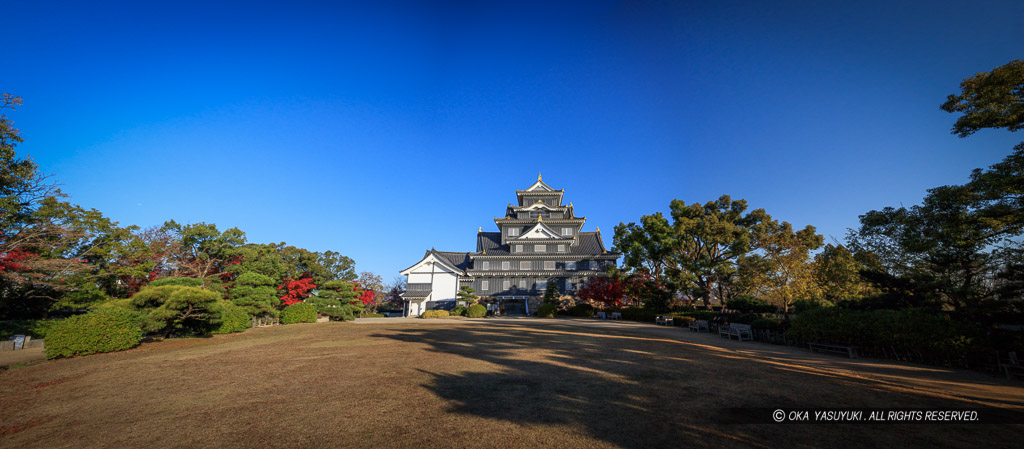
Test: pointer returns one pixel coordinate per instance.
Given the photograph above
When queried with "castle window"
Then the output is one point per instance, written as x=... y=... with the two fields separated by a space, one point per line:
x=540 y=248
x=541 y=285
x=561 y=248
x=522 y=284
x=505 y=265
x=549 y=265
x=566 y=231
x=486 y=265
x=513 y=232
x=570 y=265
x=519 y=248
x=524 y=265
x=485 y=285
x=506 y=284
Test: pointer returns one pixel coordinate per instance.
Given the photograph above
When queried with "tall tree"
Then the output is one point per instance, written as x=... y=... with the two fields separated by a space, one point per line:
x=709 y=240
x=779 y=270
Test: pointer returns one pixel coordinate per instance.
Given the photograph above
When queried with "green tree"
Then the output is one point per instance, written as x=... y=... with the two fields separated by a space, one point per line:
x=989 y=100
x=256 y=294
x=837 y=274
x=709 y=240
x=178 y=309
x=779 y=270
x=466 y=295
x=338 y=300
x=648 y=247
x=551 y=293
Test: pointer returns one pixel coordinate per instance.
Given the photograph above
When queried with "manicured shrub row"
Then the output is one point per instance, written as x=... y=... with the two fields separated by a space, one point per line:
x=682 y=320
x=105 y=330
x=922 y=335
x=298 y=313
x=638 y=314
x=435 y=314
x=547 y=310
x=476 y=311
x=459 y=311
x=373 y=315
x=582 y=310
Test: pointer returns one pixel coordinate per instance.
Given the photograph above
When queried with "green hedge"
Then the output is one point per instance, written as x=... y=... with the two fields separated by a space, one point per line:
x=105 y=330
x=547 y=310
x=582 y=310
x=459 y=311
x=232 y=319
x=435 y=314
x=682 y=320
x=298 y=313
x=639 y=314
x=707 y=315
x=476 y=311
x=920 y=335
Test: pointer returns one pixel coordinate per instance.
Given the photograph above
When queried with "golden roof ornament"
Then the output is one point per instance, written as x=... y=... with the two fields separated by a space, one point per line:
x=480 y=229
x=538 y=176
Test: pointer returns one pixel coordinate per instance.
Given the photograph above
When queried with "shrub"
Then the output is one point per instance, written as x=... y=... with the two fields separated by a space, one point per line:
x=582 y=310
x=298 y=313
x=925 y=335
x=771 y=324
x=459 y=311
x=682 y=320
x=435 y=314
x=105 y=330
x=707 y=315
x=476 y=311
x=640 y=314
x=232 y=319
x=373 y=315
x=547 y=310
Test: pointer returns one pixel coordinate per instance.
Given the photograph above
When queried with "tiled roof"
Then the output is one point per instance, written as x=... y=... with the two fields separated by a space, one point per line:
x=459 y=260
x=589 y=244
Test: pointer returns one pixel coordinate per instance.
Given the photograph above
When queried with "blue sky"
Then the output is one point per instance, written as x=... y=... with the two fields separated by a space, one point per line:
x=381 y=131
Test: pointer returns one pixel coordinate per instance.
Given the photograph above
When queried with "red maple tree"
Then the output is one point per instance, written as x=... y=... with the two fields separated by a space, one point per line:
x=296 y=290
x=605 y=290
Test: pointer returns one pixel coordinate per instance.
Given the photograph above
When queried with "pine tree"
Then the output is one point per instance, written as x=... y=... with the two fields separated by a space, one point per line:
x=338 y=300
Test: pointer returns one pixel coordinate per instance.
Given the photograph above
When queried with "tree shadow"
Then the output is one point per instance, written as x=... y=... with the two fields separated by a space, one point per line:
x=635 y=391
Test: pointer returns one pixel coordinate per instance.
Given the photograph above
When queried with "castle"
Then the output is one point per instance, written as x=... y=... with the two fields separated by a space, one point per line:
x=539 y=241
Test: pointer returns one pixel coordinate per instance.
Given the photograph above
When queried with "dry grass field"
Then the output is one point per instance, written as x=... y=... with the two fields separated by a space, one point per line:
x=478 y=383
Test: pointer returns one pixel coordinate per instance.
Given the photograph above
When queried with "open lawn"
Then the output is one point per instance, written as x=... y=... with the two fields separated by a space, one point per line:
x=480 y=383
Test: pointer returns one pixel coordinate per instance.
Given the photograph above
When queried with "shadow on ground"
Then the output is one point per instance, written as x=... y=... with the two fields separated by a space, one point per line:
x=635 y=391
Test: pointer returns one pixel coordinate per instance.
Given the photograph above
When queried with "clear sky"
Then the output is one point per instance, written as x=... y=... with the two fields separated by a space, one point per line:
x=381 y=131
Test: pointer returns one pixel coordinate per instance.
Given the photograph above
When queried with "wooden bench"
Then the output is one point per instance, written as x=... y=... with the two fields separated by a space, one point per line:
x=838 y=349
x=1013 y=367
x=700 y=326
x=741 y=331
x=666 y=320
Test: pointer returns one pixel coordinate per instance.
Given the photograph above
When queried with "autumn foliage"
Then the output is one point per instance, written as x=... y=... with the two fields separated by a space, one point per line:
x=608 y=291
x=296 y=290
